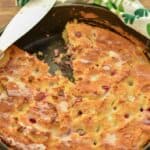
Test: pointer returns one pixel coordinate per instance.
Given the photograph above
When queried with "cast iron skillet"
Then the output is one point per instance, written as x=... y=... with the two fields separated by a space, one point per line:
x=47 y=35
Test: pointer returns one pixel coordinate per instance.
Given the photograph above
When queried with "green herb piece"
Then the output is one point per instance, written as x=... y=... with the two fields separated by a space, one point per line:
x=148 y=29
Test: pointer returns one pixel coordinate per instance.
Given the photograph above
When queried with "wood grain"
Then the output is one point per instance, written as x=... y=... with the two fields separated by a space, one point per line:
x=8 y=9
x=146 y=3
x=6 y=13
x=7 y=3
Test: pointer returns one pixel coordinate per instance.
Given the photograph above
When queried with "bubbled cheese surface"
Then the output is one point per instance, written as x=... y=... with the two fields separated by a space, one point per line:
x=106 y=108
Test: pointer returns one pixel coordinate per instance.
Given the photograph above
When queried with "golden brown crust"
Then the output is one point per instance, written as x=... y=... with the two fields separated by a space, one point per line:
x=106 y=108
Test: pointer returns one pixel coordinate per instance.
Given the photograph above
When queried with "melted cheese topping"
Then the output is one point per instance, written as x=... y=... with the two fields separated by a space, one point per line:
x=107 y=107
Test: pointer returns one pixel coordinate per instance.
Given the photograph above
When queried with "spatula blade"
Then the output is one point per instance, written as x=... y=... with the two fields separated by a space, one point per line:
x=24 y=21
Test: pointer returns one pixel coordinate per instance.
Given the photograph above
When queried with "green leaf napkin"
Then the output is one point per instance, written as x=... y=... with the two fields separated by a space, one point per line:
x=22 y=2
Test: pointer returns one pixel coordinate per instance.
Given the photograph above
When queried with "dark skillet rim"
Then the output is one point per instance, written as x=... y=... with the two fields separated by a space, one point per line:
x=135 y=34
x=60 y=5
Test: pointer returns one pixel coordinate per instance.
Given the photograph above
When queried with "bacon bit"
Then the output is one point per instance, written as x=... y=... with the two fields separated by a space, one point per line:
x=21 y=129
x=1 y=70
x=14 y=91
x=65 y=131
x=46 y=111
x=53 y=117
x=126 y=116
x=146 y=88
x=146 y=122
x=113 y=73
x=12 y=85
x=40 y=96
x=56 y=52
x=54 y=97
x=4 y=78
x=106 y=88
x=77 y=100
x=31 y=78
x=148 y=109
x=32 y=120
x=61 y=93
x=78 y=34
x=146 y=119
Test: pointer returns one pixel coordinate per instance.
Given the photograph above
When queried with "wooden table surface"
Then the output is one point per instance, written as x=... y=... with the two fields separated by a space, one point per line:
x=8 y=9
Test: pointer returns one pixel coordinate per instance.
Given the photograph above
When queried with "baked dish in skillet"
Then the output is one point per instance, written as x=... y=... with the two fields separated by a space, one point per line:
x=107 y=107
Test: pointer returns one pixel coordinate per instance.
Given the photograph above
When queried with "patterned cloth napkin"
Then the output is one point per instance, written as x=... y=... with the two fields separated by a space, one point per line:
x=131 y=12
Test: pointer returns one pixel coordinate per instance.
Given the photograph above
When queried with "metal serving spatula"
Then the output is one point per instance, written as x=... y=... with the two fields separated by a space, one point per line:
x=24 y=21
